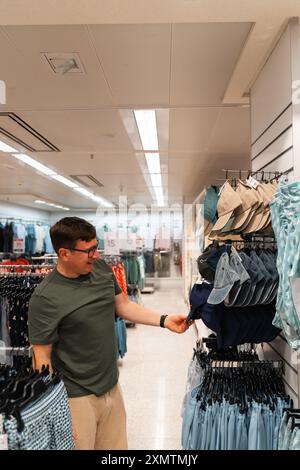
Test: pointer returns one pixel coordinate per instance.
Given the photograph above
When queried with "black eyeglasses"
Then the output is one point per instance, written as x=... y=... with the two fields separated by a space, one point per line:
x=89 y=251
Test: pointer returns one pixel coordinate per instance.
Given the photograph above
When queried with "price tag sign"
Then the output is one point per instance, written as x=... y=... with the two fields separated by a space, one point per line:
x=252 y=182
x=111 y=244
x=131 y=242
x=19 y=245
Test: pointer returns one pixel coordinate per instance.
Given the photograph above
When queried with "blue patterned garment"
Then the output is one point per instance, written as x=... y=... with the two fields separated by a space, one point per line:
x=47 y=423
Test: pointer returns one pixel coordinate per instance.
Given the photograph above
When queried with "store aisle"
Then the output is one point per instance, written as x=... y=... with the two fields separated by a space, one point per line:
x=153 y=376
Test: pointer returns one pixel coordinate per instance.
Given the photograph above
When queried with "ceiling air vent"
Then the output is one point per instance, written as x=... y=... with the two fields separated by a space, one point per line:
x=61 y=63
x=87 y=180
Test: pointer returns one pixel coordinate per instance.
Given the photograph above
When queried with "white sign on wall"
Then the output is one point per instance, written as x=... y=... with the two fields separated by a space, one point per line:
x=111 y=244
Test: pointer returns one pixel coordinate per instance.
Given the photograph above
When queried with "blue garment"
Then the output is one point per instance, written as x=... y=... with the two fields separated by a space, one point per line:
x=121 y=334
x=47 y=423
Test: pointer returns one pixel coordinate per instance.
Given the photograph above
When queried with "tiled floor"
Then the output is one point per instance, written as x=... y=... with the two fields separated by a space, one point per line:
x=153 y=376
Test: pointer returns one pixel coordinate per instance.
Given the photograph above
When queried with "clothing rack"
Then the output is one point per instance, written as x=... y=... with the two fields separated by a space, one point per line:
x=18 y=351
x=271 y=175
x=7 y=218
x=25 y=266
x=223 y=364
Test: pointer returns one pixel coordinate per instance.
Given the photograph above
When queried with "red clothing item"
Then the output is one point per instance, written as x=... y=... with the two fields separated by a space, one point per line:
x=119 y=272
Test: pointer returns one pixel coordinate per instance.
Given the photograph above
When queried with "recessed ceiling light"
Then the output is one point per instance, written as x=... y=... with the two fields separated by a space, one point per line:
x=153 y=162
x=39 y=201
x=146 y=123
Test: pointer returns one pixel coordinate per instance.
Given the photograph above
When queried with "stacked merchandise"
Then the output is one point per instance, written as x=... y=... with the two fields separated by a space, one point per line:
x=26 y=238
x=234 y=405
x=34 y=410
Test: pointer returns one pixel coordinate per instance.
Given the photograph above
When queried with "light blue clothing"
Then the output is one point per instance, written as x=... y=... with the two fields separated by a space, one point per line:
x=253 y=427
x=48 y=248
x=295 y=439
x=284 y=214
x=241 y=432
x=232 y=428
x=188 y=417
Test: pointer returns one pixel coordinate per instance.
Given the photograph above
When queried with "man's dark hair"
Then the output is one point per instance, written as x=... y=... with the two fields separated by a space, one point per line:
x=67 y=231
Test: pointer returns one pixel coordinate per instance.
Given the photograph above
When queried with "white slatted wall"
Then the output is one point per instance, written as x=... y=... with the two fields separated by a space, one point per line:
x=272 y=149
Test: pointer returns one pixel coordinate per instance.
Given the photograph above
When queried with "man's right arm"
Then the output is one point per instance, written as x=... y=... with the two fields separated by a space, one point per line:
x=42 y=356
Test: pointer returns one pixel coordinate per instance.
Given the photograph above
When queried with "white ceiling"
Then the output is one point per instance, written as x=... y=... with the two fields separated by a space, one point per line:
x=191 y=68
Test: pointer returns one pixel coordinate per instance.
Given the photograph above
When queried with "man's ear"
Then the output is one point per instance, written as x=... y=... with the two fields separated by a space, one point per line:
x=63 y=253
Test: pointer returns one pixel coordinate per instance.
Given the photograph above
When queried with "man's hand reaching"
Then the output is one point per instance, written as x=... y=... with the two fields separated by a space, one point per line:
x=177 y=323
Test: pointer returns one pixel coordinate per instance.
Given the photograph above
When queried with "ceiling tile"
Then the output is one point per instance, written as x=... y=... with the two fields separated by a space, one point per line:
x=203 y=59
x=136 y=62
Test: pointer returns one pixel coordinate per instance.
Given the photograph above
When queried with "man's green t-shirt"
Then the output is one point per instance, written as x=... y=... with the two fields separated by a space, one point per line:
x=77 y=316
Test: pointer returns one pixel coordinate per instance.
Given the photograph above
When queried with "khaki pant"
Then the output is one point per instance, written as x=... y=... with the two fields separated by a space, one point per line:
x=99 y=423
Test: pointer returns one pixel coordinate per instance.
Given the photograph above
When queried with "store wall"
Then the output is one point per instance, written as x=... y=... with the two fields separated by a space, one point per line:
x=274 y=144
x=8 y=210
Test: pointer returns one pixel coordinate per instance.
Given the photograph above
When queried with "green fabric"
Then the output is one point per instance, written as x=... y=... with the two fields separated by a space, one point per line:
x=77 y=316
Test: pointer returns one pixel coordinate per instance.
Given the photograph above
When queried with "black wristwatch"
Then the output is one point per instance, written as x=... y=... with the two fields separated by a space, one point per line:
x=162 y=320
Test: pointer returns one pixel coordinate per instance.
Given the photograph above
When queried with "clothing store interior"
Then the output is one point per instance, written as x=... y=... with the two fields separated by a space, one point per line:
x=166 y=134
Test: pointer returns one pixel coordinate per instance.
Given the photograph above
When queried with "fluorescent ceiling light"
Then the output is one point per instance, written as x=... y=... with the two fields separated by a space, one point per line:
x=156 y=179
x=159 y=195
x=6 y=148
x=146 y=123
x=153 y=162
x=83 y=191
x=64 y=180
x=40 y=201
x=92 y=196
x=31 y=162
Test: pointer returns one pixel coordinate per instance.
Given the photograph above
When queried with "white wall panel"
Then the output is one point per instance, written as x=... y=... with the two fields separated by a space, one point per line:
x=271 y=93
x=272 y=149
x=280 y=145
x=279 y=126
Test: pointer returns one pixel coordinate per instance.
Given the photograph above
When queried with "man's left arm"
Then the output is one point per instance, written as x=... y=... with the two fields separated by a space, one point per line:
x=135 y=313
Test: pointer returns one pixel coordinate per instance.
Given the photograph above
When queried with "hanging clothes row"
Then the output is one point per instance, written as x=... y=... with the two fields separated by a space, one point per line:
x=34 y=410
x=134 y=268
x=19 y=237
x=285 y=210
x=15 y=292
x=235 y=407
x=239 y=302
x=157 y=262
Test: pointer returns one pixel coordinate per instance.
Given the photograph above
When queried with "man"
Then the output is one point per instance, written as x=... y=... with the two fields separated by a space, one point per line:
x=71 y=328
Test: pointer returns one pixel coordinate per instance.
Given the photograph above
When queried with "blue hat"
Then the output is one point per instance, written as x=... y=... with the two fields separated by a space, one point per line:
x=210 y=204
x=198 y=299
x=236 y=264
x=225 y=278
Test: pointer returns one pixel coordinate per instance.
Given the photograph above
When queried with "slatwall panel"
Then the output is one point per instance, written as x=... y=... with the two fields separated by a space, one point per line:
x=272 y=150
